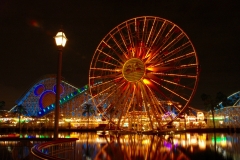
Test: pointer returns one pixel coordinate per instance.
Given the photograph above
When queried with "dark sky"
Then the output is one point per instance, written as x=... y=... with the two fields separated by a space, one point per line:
x=28 y=51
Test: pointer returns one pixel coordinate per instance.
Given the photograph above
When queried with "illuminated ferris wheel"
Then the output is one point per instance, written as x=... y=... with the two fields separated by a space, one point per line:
x=144 y=71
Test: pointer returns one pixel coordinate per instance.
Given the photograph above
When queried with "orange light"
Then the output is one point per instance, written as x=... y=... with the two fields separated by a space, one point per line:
x=146 y=81
x=150 y=69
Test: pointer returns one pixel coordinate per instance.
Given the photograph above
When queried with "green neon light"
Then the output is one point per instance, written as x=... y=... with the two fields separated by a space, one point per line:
x=64 y=100
x=219 y=139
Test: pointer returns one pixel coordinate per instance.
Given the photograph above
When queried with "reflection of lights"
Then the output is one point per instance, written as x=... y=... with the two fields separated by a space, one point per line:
x=202 y=144
x=68 y=120
x=191 y=149
x=193 y=140
x=167 y=144
x=222 y=140
x=146 y=141
x=183 y=143
x=175 y=141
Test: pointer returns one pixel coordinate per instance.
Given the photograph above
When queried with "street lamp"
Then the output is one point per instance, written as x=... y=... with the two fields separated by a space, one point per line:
x=61 y=40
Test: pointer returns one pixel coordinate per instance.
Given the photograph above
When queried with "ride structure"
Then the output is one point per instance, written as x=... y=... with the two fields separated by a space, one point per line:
x=144 y=71
x=40 y=99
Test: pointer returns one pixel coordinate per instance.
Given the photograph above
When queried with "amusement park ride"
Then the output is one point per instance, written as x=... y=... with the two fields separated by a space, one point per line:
x=145 y=70
x=143 y=74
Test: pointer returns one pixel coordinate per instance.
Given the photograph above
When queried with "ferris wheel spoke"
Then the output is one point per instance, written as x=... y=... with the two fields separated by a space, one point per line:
x=171 y=91
x=137 y=31
x=105 y=62
x=130 y=38
x=146 y=101
x=105 y=78
x=111 y=76
x=124 y=58
x=163 y=42
x=163 y=69
x=151 y=93
x=158 y=36
x=177 y=59
x=100 y=51
x=124 y=42
x=159 y=68
x=103 y=91
x=174 y=83
x=176 y=75
x=156 y=88
x=113 y=93
x=107 y=82
x=103 y=100
x=121 y=57
x=106 y=69
x=124 y=102
x=156 y=102
x=151 y=32
x=174 y=41
x=176 y=50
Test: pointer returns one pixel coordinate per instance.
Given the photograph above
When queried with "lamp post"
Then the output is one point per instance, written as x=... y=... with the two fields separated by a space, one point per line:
x=61 y=40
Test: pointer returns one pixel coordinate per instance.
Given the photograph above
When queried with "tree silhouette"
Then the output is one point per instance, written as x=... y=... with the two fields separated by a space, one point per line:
x=20 y=110
x=2 y=104
x=88 y=110
x=209 y=104
x=212 y=104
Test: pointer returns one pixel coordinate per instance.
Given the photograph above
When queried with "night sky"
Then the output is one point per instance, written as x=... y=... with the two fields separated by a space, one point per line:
x=28 y=51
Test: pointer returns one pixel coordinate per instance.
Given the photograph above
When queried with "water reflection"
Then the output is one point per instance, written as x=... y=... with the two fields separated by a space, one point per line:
x=178 y=146
x=186 y=146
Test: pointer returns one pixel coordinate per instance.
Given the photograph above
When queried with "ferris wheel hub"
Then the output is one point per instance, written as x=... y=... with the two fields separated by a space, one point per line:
x=133 y=69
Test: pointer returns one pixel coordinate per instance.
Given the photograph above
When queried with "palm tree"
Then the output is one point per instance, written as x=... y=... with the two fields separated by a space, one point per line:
x=212 y=105
x=209 y=103
x=89 y=110
x=20 y=110
x=2 y=104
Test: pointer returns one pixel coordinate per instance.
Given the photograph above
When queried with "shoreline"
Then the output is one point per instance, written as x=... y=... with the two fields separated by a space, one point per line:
x=158 y=132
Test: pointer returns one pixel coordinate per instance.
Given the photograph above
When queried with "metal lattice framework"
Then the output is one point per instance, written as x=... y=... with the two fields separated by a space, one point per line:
x=145 y=64
x=228 y=116
x=39 y=100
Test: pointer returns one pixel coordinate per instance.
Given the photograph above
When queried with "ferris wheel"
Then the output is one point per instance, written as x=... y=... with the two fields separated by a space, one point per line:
x=144 y=71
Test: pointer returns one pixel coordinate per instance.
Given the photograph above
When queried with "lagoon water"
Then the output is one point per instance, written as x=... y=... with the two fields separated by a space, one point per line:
x=186 y=146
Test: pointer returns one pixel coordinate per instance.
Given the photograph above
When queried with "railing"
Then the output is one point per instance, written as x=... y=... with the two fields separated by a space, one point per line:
x=61 y=149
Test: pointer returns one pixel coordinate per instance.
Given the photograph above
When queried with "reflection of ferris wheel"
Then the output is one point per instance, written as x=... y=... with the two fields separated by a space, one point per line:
x=144 y=70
